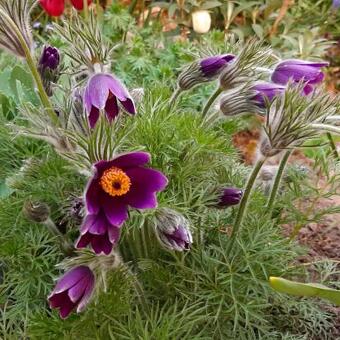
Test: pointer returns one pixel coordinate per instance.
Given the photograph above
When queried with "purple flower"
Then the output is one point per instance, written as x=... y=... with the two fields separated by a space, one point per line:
x=211 y=66
x=121 y=183
x=229 y=197
x=172 y=230
x=73 y=291
x=297 y=70
x=99 y=232
x=101 y=93
x=266 y=90
x=336 y=4
x=50 y=58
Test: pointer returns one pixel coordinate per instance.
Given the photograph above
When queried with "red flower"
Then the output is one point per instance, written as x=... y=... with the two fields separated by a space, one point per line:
x=56 y=8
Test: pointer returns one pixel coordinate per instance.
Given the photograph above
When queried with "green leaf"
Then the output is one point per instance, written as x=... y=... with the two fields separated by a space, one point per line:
x=258 y=29
x=211 y=4
x=305 y=289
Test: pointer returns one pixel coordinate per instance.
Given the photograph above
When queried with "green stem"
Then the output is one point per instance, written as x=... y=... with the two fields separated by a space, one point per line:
x=174 y=97
x=32 y=66
x=211 y=101
x=132 y=6
x=86 y=9
x=244 y=203
x=333 y=146
x=277 y=181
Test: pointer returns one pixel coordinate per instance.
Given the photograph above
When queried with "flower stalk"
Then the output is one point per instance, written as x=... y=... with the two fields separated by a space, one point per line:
x=211 y=101
x=277 y=181
x=32 y=66
x=333 y=146
x=244 y=203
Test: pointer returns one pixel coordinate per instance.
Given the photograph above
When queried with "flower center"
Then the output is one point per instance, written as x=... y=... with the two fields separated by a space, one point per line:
x=115 y=182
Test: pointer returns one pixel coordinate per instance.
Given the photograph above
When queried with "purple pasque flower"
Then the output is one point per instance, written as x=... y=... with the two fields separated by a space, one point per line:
x=266 y=91
x=228 y=197
x=102 y=92
x=73 y=291
x=99 y=232
x=172 y=230
x=211 y=66
x=50 y=58
x=121 y=183
x=299 y=70
x=336 y=4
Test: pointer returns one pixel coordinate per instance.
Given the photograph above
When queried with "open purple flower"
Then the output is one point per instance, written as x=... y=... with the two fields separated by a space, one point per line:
x=266 y=90
x=73 y=291
x=121 y=183
x=99 y=232
x=229 y=197
x=297 y=70
x=102 y=92
x=211 y=66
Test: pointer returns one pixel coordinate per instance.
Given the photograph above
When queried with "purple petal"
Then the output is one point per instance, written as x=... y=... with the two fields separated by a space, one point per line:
x=92 y=193
x=117 y=88
x=114 y=234
x=86 y=297
x=83 y=240
x=141 y=199
x=212 y=65
x=101 y=243
x=71 y=278
x=93 y=117
x=129 y=106
x=126 y=160
x=98 y=89
x=115 y=209
x=66 y=309
x=77 y=291
x=57 y=300
x=111 y=108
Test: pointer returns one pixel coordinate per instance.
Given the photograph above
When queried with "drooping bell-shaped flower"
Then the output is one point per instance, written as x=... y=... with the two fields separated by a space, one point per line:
x=73 y=291
x=121 y=183
x=336 y=4
x=228 y=197
x=202 y=71
x=102 y=92
x=172 y=230
x=99 y=232
x=299 y=70
x=266 y=91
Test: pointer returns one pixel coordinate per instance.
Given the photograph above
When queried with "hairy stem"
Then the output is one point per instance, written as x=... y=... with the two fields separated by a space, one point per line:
x=333 y=146
x=174 y=97
x=277 y=181
x=244 y=203
x=32 y=66
x=211 y=101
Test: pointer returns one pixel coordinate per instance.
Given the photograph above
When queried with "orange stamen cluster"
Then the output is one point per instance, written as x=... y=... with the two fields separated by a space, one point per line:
x=115 y=182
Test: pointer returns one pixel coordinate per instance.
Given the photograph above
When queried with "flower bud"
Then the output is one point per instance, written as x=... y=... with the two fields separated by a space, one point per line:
x=228 y=197
x=238 y=101
x=36 y=211
x=203 y=71
x=266 y=148
x=266 y=91
x=49 y=68
x=172 y=230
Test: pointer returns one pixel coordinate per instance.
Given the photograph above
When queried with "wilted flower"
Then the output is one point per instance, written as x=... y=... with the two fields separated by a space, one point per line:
x=36 y=211
x=99 y=232
x=73 y=291
x=299 y=70
x=266 y=91
x=172 y=230
x=123 y=182
x=101 y=93
x=56 y=8
x=228 y=197
x=202 y=71
x=16 y=13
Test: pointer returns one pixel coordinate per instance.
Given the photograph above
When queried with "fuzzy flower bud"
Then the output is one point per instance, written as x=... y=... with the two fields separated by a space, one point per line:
x=73 y=291
x=228 y=197
x=15 y=13
x=172 y=230
x=203 y=71
x=239 y=101
x=266 y=92
x=36 y=211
